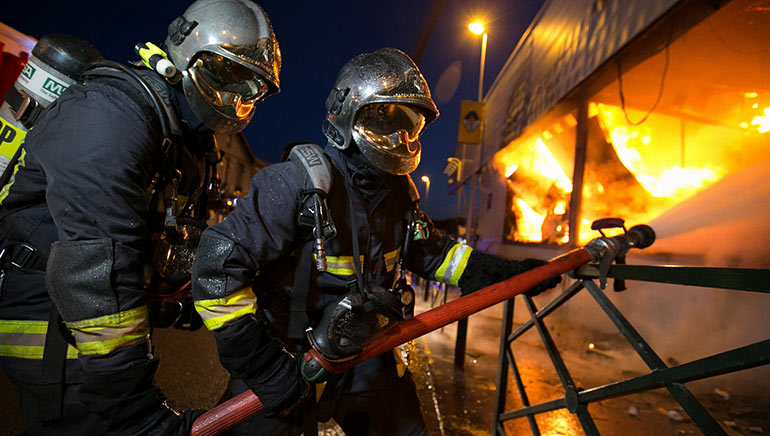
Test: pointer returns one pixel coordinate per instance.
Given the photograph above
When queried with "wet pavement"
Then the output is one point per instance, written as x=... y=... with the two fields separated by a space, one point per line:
x=460 y=402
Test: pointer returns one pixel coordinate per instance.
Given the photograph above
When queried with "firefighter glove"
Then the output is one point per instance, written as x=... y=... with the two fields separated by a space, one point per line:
x=485 y=269
x=528 y=264
x=249 y=353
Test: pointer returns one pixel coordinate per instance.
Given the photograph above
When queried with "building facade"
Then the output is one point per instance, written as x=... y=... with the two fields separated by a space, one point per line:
x=654 y=111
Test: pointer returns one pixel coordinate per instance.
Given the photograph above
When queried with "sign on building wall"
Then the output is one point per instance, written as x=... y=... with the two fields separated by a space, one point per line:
x=471 y=122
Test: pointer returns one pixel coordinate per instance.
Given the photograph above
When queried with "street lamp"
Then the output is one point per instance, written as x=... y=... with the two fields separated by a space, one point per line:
x=426 y=179
x=477 y=27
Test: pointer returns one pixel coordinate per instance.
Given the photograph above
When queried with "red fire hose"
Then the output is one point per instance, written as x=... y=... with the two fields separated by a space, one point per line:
x=245 y=405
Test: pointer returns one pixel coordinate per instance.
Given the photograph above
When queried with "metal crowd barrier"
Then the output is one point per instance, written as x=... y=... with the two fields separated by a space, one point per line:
x=673 y=378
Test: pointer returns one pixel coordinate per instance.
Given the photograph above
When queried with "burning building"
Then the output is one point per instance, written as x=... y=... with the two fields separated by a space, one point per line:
x=639 y=105
x=655 y=111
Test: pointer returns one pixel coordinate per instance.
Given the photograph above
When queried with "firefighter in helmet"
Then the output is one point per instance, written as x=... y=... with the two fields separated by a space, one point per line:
x=258 y=283
x=104 y=209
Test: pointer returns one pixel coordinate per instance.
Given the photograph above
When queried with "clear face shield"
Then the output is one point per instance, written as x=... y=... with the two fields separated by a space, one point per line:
x=228 y=87
x=388 y=135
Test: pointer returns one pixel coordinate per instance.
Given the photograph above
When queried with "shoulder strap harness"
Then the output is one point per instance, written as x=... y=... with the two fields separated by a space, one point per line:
x=313 y=215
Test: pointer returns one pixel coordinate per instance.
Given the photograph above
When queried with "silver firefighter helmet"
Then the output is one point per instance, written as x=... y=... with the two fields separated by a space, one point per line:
x=229 y=59
x=382 y=103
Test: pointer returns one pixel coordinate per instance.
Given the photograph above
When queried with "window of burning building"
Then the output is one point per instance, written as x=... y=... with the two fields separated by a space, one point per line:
x=666 y=129
x=538 y=173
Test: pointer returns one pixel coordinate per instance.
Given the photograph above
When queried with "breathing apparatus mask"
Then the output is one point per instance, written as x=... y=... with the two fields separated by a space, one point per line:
x=357 y=318
x=388 y=136
x=231 y=89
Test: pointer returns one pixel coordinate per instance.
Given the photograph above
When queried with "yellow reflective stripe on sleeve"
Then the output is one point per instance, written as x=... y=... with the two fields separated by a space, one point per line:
x=12 y=179
x=26 y=339
x=391 y=259
x=342 y=265
x=454 y=264
x=220 y=311
x=107 y=333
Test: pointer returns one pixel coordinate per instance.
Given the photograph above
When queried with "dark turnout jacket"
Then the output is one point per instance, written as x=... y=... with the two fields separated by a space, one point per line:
x=248 y=263
x=80 y=197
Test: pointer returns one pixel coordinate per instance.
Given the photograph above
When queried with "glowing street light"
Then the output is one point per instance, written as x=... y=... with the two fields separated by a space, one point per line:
x=426 y=179
x=477 y=27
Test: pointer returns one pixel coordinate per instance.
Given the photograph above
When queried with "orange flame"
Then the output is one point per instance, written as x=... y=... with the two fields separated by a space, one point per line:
x=510 y=170
x=678 y=182
x=762 y=121
x=659 y=163
x=546 y=165
x=530 y=222
x=536 y=158
x=652 y=163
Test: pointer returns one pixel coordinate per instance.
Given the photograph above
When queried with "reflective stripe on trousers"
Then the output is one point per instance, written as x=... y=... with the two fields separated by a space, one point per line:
x=26 y=339
x=220 y=311
x=105 y=334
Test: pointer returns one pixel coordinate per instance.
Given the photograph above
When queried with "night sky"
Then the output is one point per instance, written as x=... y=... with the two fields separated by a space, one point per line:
x=316 y=39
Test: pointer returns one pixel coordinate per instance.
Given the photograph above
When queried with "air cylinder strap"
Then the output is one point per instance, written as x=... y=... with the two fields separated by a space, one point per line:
x=50 y=391
x=298 y=319
x=22 y=256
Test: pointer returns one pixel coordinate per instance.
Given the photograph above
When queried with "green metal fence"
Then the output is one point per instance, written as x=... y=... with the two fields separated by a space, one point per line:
x=672 y=378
